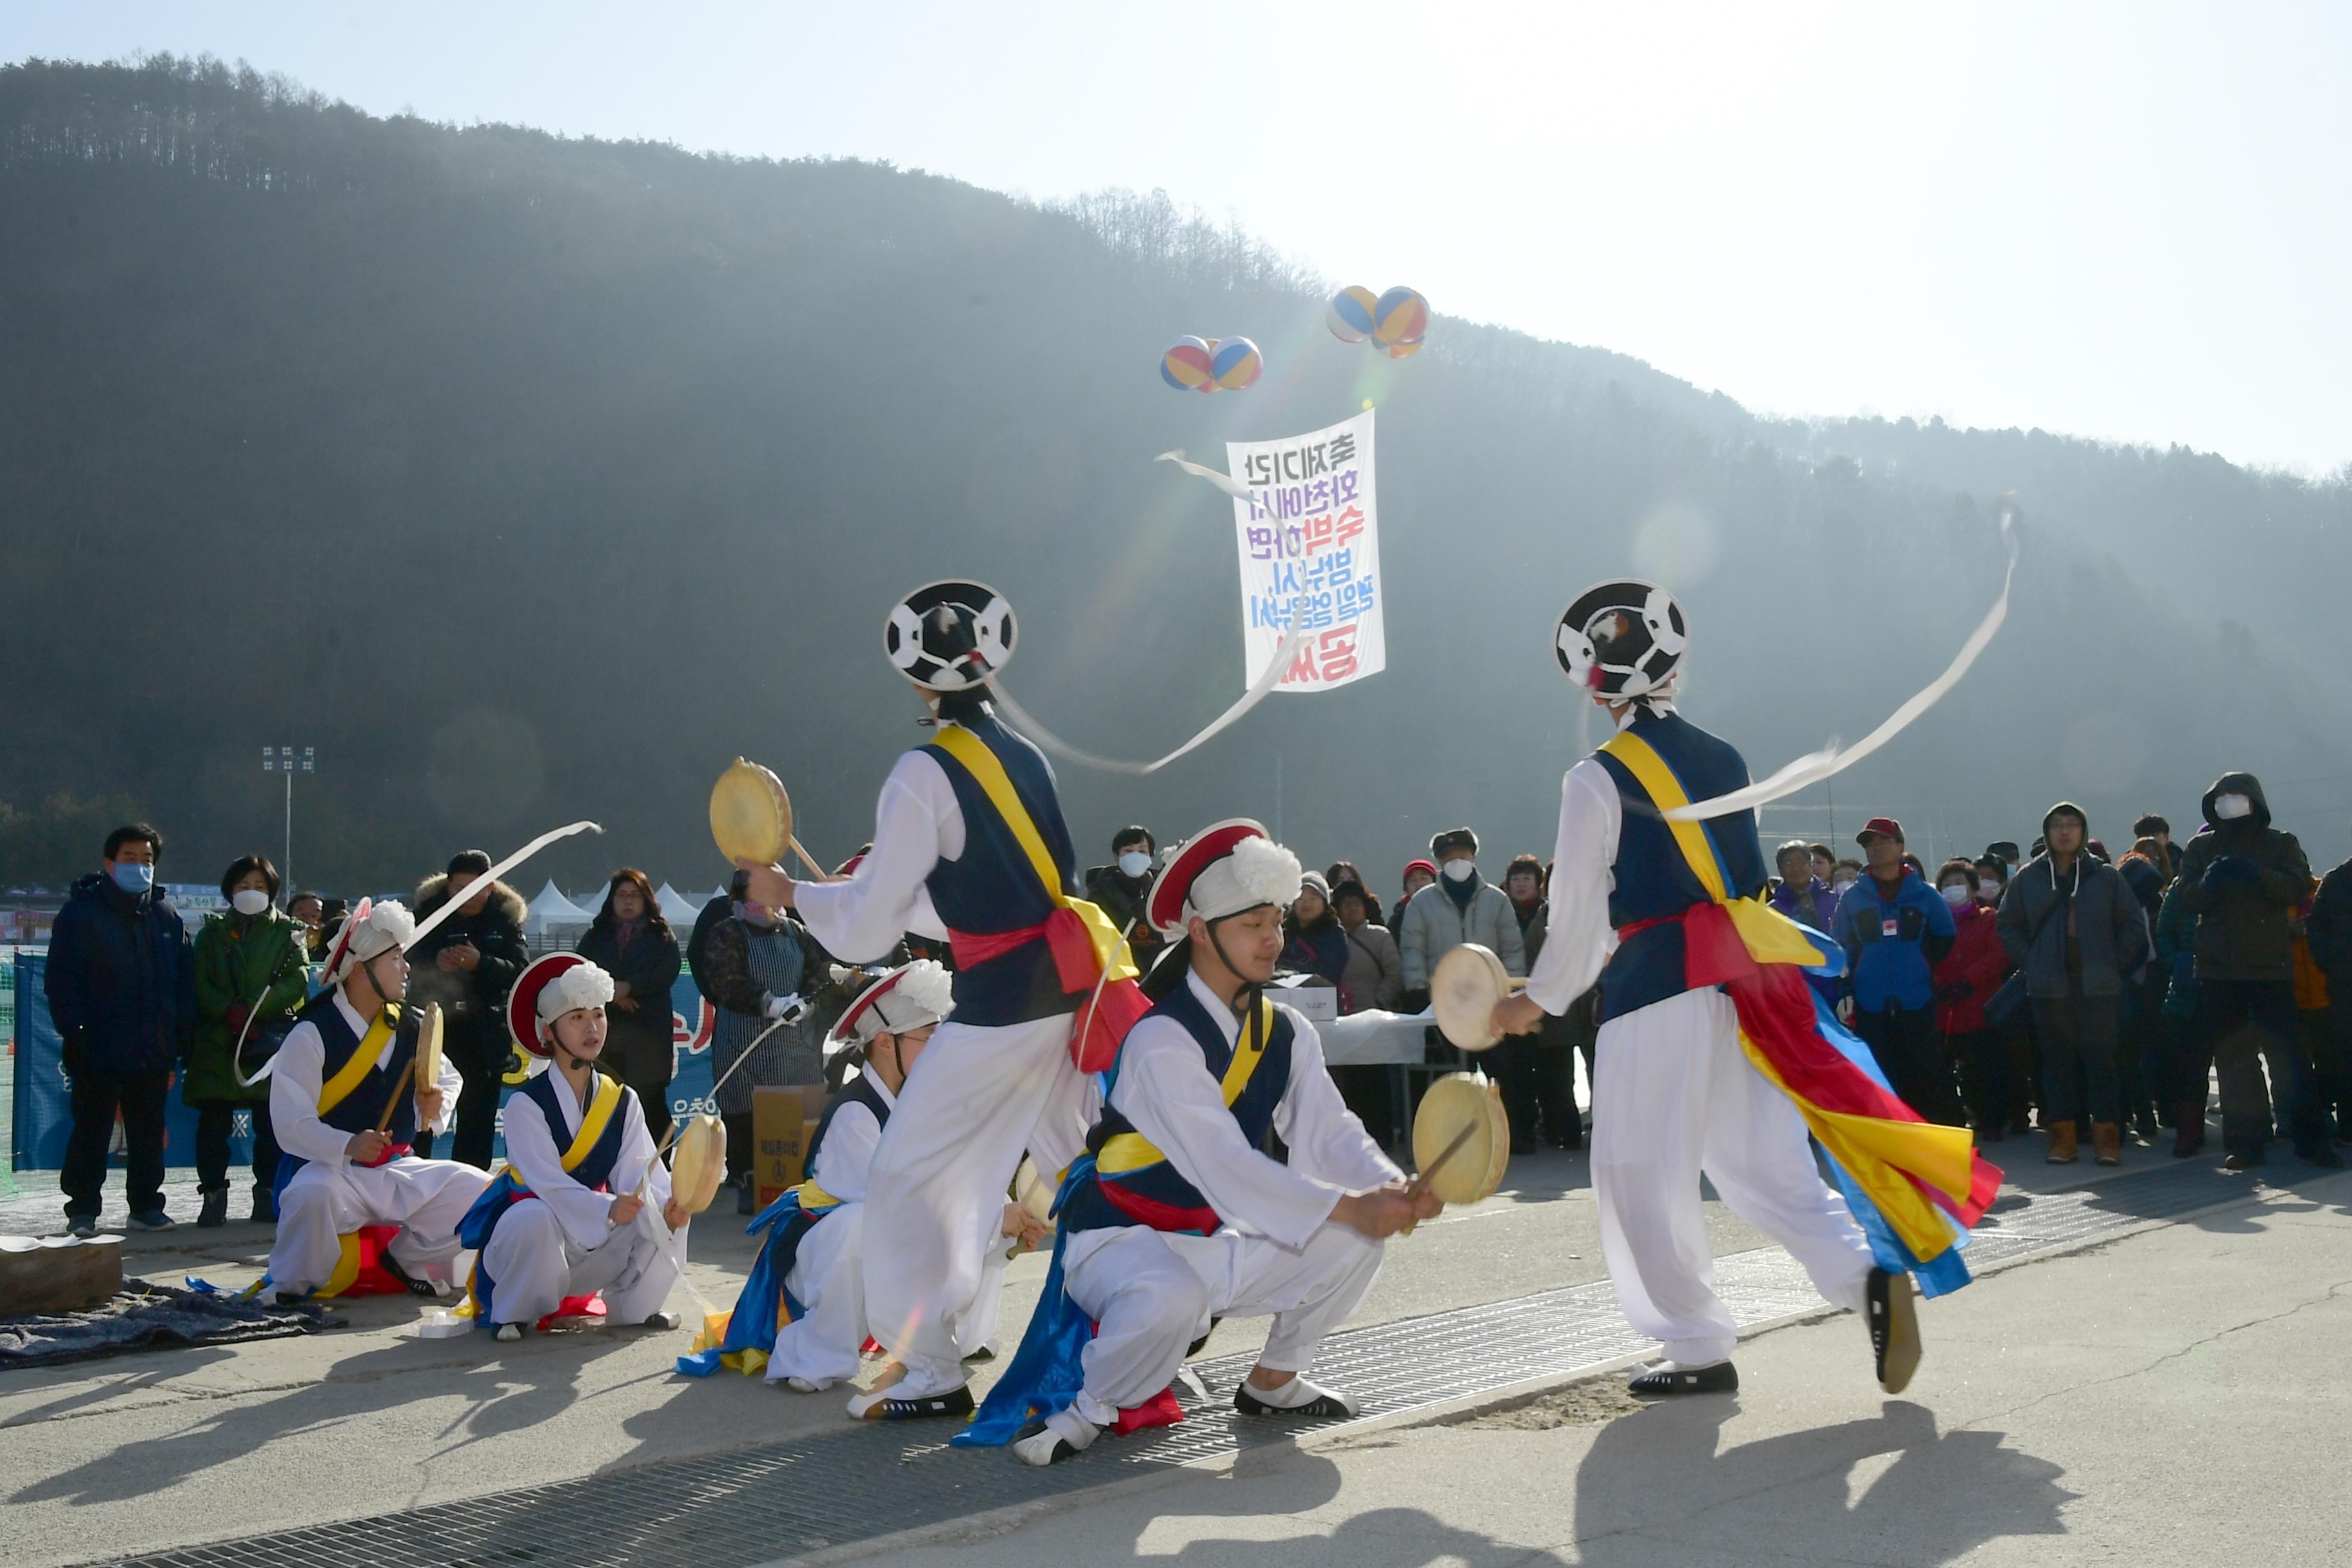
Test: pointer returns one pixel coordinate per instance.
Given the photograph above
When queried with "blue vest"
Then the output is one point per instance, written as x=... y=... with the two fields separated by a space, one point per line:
x=1653 y=882
x=992 y=888
x=1156 y=1194
x=595 y=1168
x=357 y=1110
x=857 y=1090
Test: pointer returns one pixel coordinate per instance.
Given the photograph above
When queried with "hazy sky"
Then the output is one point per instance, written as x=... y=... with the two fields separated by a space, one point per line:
x=2130 y=221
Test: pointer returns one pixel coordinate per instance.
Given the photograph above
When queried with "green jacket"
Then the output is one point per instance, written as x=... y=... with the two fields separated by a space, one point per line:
x=232 y=967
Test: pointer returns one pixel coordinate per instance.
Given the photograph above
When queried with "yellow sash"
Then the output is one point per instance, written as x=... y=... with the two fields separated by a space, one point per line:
x=1874 y=1153
x=353 y=1073
x=1111 y=952
x=603 y=1101
x=1124 y=1152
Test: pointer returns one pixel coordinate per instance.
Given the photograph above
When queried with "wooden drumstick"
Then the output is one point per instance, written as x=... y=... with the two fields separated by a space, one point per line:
x=809 y=860
x=1419 y=1183
x=392 y=1103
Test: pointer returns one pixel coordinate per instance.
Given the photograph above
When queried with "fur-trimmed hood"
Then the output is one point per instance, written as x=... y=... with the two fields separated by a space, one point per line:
x=506 y=905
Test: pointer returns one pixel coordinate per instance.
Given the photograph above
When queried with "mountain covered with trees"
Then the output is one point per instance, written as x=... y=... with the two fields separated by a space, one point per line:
x=530 y=478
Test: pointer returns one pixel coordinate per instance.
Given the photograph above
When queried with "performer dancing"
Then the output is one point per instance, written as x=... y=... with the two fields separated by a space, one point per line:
x=1175 y=1217
x=351 y=1051
x=969 y=845
x=1715 y=1056
x=807 y=1288
x=551 y=1227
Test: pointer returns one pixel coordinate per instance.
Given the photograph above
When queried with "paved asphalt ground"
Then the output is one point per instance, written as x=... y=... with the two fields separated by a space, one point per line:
x=2173 y=1394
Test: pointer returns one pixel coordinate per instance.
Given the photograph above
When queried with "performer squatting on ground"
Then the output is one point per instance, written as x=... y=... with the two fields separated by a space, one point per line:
x=1175 y=1216
x=969 y=845
x=583 y=1205
x=349 y=1051
x=1666 y=916
x=803 y=1310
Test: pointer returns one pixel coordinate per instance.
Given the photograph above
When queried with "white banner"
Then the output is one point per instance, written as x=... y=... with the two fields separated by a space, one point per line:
x=1310 y=545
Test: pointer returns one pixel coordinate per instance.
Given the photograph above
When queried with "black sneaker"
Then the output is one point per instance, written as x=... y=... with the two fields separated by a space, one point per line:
x=956 y=1403
x=213 y=1214
x=1893 y=1317
x=265 y=1207
x=1666 y=1382
x=83 y=1225
x=2254 y=1161
x=152 y=1219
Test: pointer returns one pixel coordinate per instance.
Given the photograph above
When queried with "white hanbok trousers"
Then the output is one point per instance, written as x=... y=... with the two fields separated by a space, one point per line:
x=828 y=1279
x=976 y=1100
x=1152 y=1293
x=1673 y=1098
x=322 y=1203
x=535 y=1265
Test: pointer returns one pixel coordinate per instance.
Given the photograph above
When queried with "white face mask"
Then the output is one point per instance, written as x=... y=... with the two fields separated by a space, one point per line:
x=1957 y=895
x=1844 y=880
x=249 y=901
x=1460 y=870
x=1134 y=863
x=2229 y=807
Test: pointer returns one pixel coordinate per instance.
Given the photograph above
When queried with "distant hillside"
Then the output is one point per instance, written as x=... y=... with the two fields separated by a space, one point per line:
x=530 y=478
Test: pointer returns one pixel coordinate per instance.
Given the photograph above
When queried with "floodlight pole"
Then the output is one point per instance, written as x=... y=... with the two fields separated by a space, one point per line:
x=281 y=759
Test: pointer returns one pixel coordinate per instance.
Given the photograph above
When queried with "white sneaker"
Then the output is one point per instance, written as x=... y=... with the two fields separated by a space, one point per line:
x=1064 y=1434
x=809 y=1385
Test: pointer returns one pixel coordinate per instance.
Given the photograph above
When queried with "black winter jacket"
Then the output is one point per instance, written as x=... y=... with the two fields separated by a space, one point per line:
x=121 y=979
x=2243 y=879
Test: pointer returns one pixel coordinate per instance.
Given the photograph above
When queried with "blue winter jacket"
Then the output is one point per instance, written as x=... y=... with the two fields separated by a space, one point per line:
x=121 y=979
x=1896 y=965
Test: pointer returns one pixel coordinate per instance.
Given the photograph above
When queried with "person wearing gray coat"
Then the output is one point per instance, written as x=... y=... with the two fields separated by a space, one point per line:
x=2075 y=927
x=1463 y=907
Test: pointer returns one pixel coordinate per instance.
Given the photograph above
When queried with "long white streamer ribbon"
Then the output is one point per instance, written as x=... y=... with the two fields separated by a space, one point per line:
x=1814 y=767
x=1270 y=677
x=237 y=1056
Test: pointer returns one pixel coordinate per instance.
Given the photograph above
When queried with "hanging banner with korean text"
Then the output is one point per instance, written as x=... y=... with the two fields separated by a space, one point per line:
x=1310 y=546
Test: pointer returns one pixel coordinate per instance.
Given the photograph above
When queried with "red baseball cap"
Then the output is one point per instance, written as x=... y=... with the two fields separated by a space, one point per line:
x=1880 y=828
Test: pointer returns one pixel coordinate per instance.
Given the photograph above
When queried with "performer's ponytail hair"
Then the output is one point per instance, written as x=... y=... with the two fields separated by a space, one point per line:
x=963 y=707
x=1175 y=963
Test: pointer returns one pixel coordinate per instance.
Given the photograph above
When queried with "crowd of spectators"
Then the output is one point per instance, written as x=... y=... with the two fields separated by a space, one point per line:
x=2065 y=991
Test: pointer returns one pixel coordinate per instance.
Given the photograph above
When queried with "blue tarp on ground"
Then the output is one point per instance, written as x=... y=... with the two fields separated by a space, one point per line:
x=43 y=1112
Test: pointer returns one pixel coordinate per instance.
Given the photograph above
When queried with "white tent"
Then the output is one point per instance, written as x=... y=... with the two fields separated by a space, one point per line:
x=676 y=907
x=551 y=909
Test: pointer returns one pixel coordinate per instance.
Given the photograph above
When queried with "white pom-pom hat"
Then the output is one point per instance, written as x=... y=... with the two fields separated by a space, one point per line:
x=1226 y=868
x=371 y=930
x=547 y=989
x=910 y=997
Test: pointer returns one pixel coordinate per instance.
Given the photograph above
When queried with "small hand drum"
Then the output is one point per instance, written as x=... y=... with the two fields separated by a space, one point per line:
x=700 y=1160
x=1457 y=1102
x=751 y=814
x=1032 y=1191
x=428 y=1047
x=1463 y=991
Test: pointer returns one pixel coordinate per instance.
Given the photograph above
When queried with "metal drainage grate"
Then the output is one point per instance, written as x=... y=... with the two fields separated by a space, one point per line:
x=780 y=1499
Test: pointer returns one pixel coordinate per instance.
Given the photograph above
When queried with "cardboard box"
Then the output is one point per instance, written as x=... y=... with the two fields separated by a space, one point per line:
x=783 y=1118
x=1312 y=997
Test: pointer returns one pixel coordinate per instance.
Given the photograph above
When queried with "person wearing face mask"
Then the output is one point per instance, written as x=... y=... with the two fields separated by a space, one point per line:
x=1119 y=889
x=1462 y=907
x=1966 y=977
x=758 y=964
x=252 y=970
x=347 y=1067
x=2072 y=923
x=1175 y=1216
x=583 y=1206
x=121 y=984
x=2243 y=880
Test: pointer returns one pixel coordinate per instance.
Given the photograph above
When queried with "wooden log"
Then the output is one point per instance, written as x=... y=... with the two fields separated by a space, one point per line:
x=59 y=1274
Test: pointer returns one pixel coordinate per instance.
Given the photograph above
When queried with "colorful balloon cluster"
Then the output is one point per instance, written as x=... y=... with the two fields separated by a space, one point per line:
x=1394 y=322
x=1211 y=365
